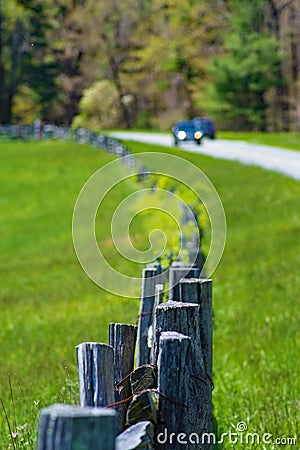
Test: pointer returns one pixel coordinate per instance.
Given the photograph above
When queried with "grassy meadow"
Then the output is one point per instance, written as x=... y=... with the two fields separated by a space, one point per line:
x=48 y=305
x=284 y=140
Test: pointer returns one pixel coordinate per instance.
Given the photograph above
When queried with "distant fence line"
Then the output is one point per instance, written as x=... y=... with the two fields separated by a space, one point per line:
x=36 y=131
x=40 y=132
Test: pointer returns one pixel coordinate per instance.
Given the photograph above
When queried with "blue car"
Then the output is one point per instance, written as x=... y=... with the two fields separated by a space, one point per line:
x=207 y=126
x=187 y=130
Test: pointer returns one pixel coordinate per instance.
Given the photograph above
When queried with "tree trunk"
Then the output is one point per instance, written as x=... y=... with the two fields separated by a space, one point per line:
x=282 y=105
x=16 y=41
x=3 y=108
x=115 y=69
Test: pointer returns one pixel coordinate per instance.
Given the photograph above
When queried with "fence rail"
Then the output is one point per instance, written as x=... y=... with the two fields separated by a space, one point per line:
x=81 y=135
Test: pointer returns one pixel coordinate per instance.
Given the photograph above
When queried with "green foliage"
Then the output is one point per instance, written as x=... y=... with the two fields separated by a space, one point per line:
x=170 y=59
x=177 y=75
x=26 y=55
x=248 y=17
x=26 y=105
x=156 y=184
x=41 y=64
x=13 y=10
x=143 y=120
x=241 y=79
x=98 y=107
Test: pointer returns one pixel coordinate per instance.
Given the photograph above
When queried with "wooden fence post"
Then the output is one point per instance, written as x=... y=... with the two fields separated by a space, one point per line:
x=138 y=436
x=184 y=318
x=176 y=273
x=96 y=374
x=146 y=315
x=199 y=291
x=66 y=427
x=122 y=338
x=195 y=252
x=188 y=288
x=160 y=272
x=159 y=290
x=174 y=393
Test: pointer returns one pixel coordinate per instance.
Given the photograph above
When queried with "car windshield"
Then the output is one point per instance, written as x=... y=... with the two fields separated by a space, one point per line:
x=185 y=126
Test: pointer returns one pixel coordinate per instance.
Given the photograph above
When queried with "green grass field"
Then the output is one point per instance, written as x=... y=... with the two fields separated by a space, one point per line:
x=284 y=140
x=48 y=304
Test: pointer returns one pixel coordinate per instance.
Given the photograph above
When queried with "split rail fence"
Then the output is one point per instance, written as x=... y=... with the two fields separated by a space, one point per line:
x=151 y=386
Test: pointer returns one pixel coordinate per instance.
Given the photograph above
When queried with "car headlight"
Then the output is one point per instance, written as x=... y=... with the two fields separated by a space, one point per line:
x=197 y=135
x=181 y=135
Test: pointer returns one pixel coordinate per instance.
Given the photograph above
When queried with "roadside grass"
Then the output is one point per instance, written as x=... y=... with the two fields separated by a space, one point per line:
x=48 y=304
x=284 y=140
x=256 y=300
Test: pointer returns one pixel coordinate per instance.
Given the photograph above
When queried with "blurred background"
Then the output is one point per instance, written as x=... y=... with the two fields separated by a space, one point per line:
x=147 y=63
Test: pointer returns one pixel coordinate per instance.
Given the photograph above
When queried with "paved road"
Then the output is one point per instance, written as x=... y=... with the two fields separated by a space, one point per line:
x=271 y=158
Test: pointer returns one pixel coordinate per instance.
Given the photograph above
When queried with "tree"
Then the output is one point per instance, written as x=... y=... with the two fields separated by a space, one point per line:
x=40 y=65
x=98 y=107
x=12 y=19
x=111 y=25
x=26 y=60
x=173 y=57
x=249 y=68
x=160 y=56
x=283 y=22
x=69 y=45
x=242 y=79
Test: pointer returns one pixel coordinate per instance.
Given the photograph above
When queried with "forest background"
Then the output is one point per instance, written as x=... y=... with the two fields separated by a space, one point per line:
x=147 y=63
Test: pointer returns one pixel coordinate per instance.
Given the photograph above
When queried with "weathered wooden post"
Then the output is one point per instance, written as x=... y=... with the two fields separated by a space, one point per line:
x=182 y=264
x=199 y=291
x=66 y=427
x=195 y=252
x=189 y=292
x=143 y=404
x=159 y=291
x=145 y=315
x=160 y=272
x=184 y=318
x=122 y=338
x=96 y=374
x=176 y=273
x=174 y=404
x=138 y=436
